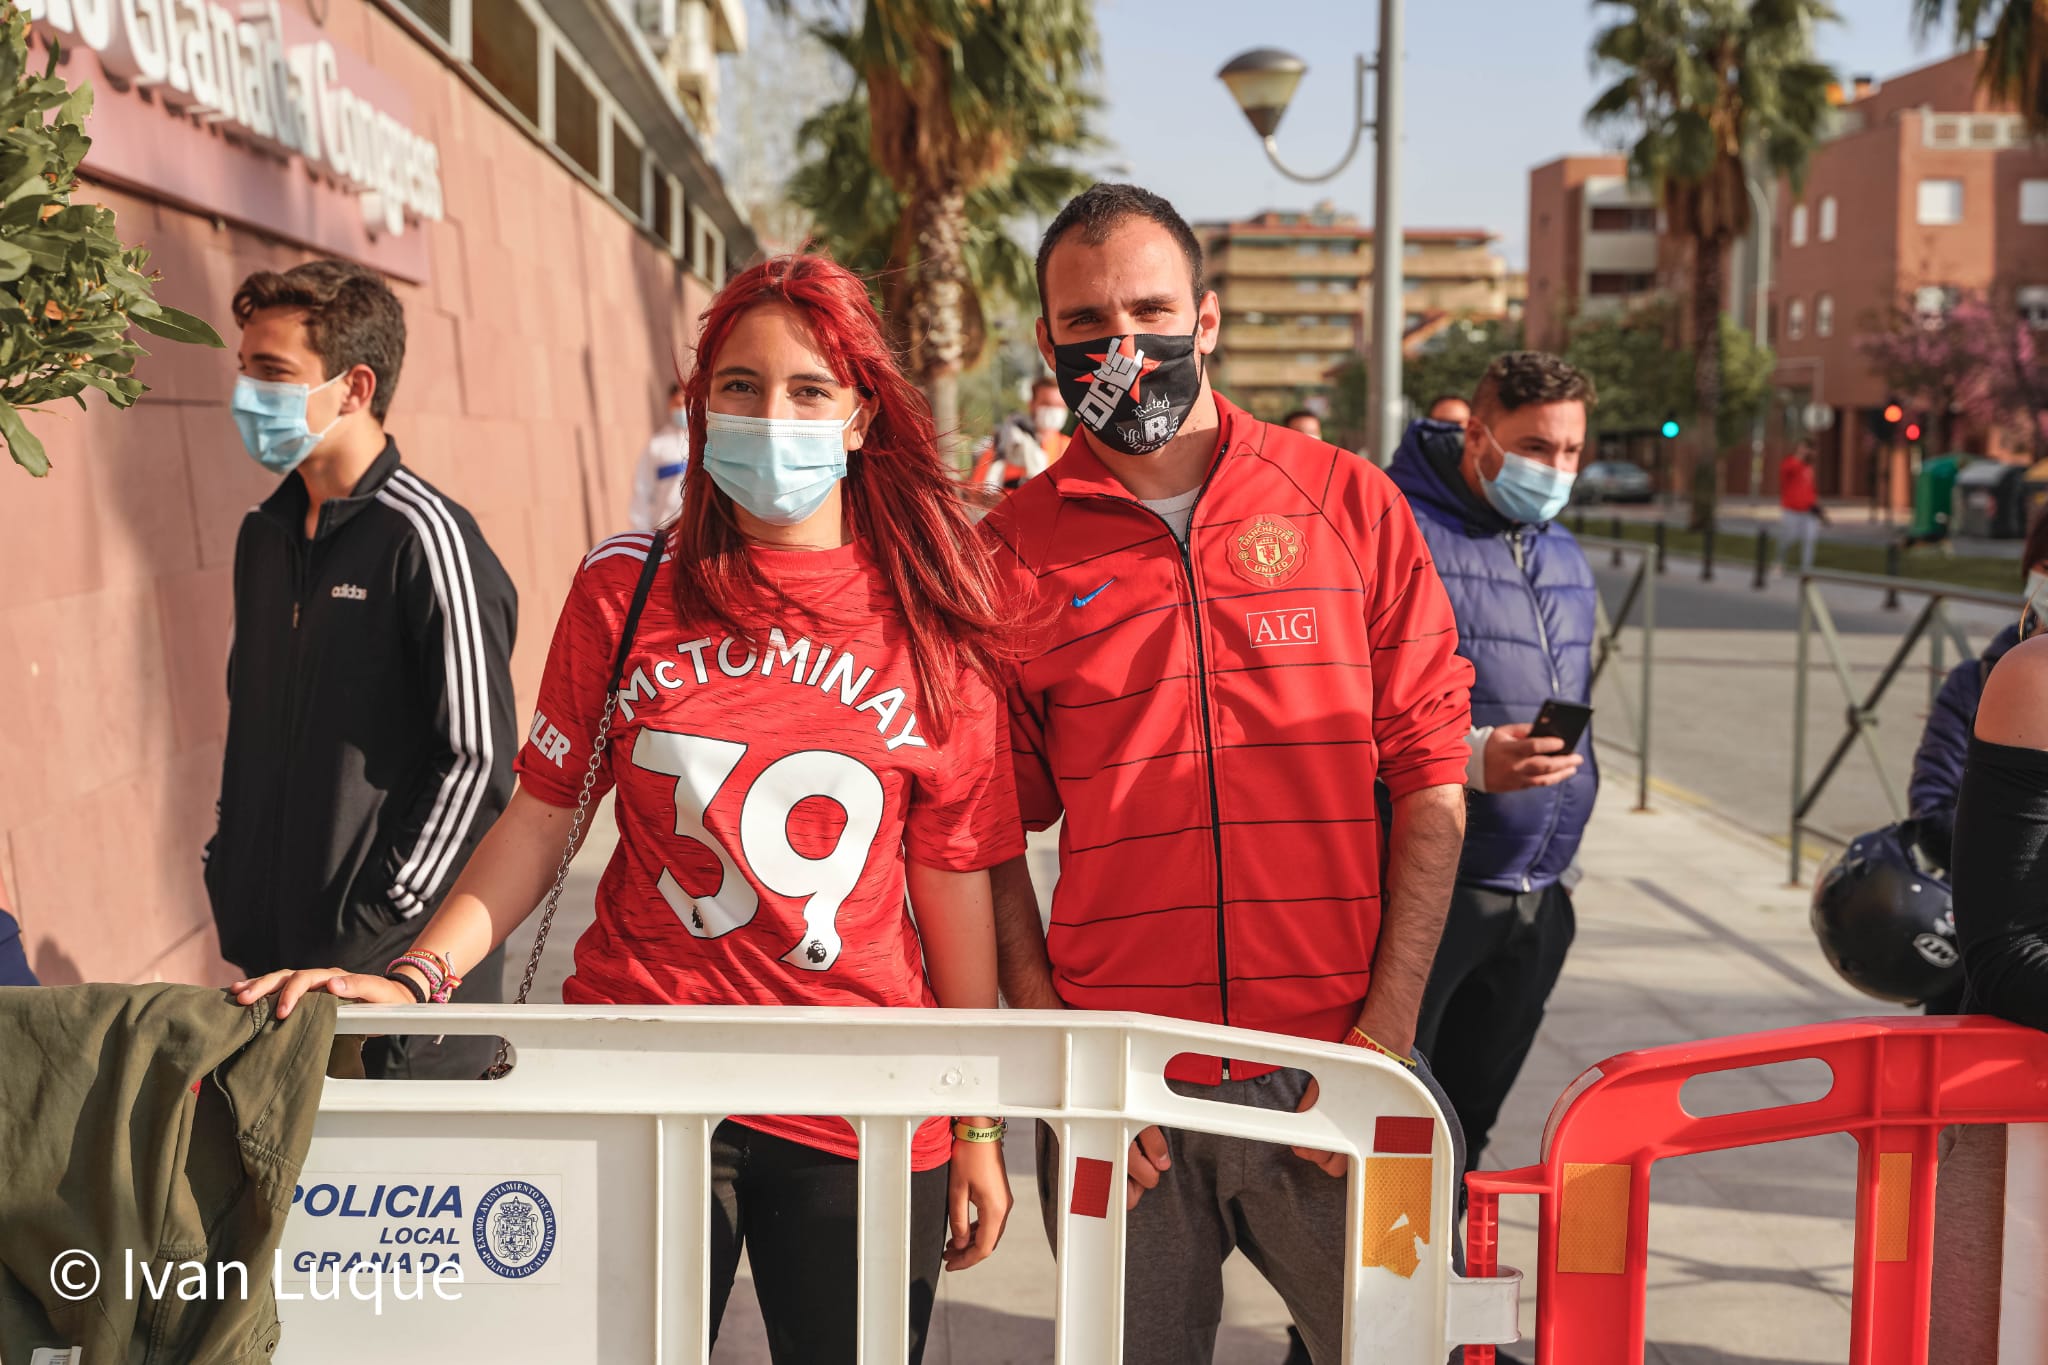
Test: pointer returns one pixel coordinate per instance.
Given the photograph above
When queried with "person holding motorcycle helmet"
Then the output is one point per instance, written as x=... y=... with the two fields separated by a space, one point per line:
x=1883 y=916
x=2001 y=914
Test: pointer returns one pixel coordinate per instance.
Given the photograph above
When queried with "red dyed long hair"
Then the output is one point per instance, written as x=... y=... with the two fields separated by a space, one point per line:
x=898 y=493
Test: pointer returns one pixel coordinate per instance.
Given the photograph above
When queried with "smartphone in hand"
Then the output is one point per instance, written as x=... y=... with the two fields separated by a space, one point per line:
x=1565 y=720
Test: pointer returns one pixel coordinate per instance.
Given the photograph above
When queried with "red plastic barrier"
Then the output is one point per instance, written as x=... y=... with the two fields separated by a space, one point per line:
x=1897 y=1082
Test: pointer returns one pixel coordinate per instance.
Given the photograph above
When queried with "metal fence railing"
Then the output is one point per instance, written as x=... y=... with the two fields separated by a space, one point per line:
x=1607 y=648
x=1933 y=623
x=1720 y=547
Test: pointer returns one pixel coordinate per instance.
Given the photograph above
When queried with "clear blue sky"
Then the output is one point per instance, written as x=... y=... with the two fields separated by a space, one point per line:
x=1493 y=87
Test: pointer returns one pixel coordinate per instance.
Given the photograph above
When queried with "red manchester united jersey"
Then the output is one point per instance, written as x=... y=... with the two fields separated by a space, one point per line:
x=769 y=791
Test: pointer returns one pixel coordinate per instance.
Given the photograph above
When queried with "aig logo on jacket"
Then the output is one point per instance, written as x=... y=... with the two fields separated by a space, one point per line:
x=1292 y=626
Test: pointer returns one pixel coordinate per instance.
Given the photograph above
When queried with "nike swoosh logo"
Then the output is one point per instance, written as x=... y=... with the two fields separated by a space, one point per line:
x=1084 y=601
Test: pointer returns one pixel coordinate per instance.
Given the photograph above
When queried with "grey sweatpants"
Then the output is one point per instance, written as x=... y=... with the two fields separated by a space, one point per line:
x=1220 y=1195
x=1969 y=1246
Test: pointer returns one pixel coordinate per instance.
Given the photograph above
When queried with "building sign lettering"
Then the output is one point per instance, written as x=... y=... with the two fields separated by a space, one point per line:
x=279 y=97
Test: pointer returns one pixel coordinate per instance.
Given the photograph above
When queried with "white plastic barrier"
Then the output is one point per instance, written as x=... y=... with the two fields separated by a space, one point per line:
x=574 y=1195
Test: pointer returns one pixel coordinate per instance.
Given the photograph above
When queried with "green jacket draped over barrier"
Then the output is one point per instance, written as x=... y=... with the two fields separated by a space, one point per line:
x=166 y=1124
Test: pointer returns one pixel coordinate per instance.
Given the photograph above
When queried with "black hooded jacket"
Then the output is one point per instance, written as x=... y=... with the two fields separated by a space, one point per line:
x=370 y=718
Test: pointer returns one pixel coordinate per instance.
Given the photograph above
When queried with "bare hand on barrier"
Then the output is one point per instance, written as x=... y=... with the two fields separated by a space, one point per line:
x=1329 y=1163
x=1149 y=1161
x=289 y=986
x=977 y=1178
x=1515 y=762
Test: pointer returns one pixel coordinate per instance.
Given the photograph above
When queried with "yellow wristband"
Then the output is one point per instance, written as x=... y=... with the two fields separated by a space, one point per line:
x=1358 y=1037
x=967 y=1132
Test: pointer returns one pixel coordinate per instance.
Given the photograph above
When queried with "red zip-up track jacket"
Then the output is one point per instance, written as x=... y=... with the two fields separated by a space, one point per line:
x=1210 y=722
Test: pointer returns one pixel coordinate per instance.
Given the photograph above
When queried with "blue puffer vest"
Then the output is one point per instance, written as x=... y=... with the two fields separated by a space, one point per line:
x=1526 y=606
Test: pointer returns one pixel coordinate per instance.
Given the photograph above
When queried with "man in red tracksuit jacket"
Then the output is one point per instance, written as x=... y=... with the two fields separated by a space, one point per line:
x=1238 y=630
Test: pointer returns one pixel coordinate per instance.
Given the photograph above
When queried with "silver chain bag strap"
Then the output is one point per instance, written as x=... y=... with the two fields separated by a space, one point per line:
x=598 y=744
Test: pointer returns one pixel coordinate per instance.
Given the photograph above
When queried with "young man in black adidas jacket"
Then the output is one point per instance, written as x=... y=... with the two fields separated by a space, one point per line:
x=370 y=719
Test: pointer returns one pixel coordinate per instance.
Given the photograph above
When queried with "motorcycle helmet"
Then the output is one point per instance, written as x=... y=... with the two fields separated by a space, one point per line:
x=1884 y=919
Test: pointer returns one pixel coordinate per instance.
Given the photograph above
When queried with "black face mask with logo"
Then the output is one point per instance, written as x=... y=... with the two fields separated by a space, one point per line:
x=1133 y=392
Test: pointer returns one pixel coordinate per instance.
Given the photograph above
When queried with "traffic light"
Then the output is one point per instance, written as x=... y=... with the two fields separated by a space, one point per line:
x=1670 y=427
x=1893 y=412
x=1912 y=431
x=1885 y=424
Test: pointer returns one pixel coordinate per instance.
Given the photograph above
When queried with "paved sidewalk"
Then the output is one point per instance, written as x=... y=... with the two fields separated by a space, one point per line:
x=1685 y=931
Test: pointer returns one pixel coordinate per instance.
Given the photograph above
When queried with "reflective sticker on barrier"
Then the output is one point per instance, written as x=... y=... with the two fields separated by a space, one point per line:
x=1091 y=1186
x=495 y=1228
x=1592 y=1220
x=1894 y=1204
x=1398 y=1177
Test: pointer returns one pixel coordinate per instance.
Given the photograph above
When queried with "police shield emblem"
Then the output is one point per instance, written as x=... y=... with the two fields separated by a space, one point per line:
x=1266 y=550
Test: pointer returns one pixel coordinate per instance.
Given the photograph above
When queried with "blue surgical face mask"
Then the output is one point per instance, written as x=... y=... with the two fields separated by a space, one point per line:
x=679 y=418
x=780 y=469
x=1526 y=491
x=272 y=420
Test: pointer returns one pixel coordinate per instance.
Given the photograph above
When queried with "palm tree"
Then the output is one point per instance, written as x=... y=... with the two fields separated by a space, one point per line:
x=2015 y=66
x=857 y=213
x=959 y=94
x=1708 y=87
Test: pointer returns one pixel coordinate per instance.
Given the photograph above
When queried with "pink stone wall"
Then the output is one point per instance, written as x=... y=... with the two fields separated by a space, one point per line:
x=538 y=362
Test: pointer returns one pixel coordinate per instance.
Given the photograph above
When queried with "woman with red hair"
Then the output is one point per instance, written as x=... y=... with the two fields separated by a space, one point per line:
x=801 y=728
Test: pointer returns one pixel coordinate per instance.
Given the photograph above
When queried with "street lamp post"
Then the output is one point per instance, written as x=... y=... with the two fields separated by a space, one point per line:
x=1760 y=229
x=1262 y=82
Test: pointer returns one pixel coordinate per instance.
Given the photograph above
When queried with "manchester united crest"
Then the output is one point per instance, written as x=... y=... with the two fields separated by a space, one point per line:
x=1266 y=550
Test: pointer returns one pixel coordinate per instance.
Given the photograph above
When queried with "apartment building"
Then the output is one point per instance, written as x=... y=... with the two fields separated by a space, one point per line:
x=1296 y=291
x=1593 y=244
x=1924 y=190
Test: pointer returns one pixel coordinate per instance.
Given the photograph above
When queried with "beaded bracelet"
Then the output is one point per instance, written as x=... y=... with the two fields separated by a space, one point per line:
x=1358 y=1037
x=967 y=1132
x=426 y=966
x=444 y=963
x=441 y=979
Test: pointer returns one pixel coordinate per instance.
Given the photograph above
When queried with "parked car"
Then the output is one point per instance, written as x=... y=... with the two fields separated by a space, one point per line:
x=1614 y=481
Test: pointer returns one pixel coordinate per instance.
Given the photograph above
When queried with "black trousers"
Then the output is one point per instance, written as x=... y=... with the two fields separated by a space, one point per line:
x=1500 y=957
x=794 y=1209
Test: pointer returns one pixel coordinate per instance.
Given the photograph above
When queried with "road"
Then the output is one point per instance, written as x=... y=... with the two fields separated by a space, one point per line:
x=1722 y=693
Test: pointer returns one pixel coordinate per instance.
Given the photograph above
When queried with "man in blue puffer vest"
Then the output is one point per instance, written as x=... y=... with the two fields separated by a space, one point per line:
x=1484 y=495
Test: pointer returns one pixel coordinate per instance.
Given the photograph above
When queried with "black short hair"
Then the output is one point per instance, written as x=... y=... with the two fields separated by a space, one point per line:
x=1522 y=378
x=1444 y=398
x=1291 y=418
x=352 y=318
x=1045 y=381
x=1098 y=210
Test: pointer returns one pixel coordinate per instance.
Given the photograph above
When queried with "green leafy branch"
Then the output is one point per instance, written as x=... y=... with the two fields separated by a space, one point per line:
x=69 y=290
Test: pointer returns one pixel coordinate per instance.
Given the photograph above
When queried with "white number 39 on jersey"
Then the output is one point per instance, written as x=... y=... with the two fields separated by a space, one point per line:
x=700 y=767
